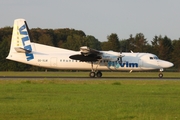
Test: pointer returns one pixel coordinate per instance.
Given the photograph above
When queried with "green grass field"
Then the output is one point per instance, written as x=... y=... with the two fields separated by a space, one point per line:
x=58 y=99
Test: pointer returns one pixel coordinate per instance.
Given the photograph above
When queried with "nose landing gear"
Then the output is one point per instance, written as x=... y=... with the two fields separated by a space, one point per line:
x=161 y=74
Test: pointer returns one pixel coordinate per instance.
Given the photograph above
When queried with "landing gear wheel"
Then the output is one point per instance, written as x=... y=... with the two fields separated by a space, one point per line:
x=99 y=74
x=92 y=74
x=160 y=75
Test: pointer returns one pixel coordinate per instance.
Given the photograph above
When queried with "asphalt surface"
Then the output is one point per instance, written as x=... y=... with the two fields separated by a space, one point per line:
x=85 y=78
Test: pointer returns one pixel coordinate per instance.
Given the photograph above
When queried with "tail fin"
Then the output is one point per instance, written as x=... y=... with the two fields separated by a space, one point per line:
x=20 y=41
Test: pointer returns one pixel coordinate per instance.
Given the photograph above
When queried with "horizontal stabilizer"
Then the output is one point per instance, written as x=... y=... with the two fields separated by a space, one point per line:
x=21 y=50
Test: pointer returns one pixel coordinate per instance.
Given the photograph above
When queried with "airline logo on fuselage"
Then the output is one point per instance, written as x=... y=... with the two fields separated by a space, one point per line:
x=118 y=64
x=26 y=42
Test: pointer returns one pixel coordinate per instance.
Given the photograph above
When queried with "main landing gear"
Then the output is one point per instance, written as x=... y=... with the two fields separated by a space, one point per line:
x=93 y=72
x=161 y=74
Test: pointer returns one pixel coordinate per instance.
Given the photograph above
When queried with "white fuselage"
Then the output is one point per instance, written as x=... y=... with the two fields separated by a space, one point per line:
x=58 y=58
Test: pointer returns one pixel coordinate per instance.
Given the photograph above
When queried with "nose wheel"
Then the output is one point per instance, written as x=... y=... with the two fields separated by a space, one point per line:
x=161 y=75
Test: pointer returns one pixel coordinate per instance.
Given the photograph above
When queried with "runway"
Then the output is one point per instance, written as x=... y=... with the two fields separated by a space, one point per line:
x=83 y=78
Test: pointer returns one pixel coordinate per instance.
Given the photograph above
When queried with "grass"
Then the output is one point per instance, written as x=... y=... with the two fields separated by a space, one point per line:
x=89 y=99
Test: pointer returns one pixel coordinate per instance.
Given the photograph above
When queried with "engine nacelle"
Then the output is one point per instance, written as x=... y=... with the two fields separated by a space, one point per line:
x=85 y=50
x=110 y=58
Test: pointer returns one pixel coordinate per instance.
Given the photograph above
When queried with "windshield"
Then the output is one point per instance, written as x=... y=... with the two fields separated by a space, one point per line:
x=153 y=58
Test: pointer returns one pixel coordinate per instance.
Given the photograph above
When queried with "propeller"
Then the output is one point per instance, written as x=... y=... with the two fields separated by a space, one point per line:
x=121 y=55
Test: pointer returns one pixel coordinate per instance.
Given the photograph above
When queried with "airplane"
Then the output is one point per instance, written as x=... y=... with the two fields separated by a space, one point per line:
x=24 y=51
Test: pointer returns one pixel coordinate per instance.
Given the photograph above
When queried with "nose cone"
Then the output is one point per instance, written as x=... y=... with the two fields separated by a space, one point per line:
x=165 y=64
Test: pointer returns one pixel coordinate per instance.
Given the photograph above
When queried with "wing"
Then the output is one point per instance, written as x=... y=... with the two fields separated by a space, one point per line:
x=87 y=54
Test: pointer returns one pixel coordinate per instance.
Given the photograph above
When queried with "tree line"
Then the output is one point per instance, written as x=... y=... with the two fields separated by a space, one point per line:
x=162 y=46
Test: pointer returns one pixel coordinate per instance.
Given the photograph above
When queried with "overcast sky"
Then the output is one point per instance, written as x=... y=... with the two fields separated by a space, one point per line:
x=99 y=18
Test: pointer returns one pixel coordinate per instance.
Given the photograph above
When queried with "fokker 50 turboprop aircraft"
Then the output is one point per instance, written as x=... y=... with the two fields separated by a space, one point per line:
x=25 y=51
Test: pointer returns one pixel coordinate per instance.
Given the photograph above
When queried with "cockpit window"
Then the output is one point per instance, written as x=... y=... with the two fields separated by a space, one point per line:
x=156 y=58
x=151 y=58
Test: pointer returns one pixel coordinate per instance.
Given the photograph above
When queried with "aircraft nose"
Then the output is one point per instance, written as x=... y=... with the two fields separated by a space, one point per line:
x=165 y=64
